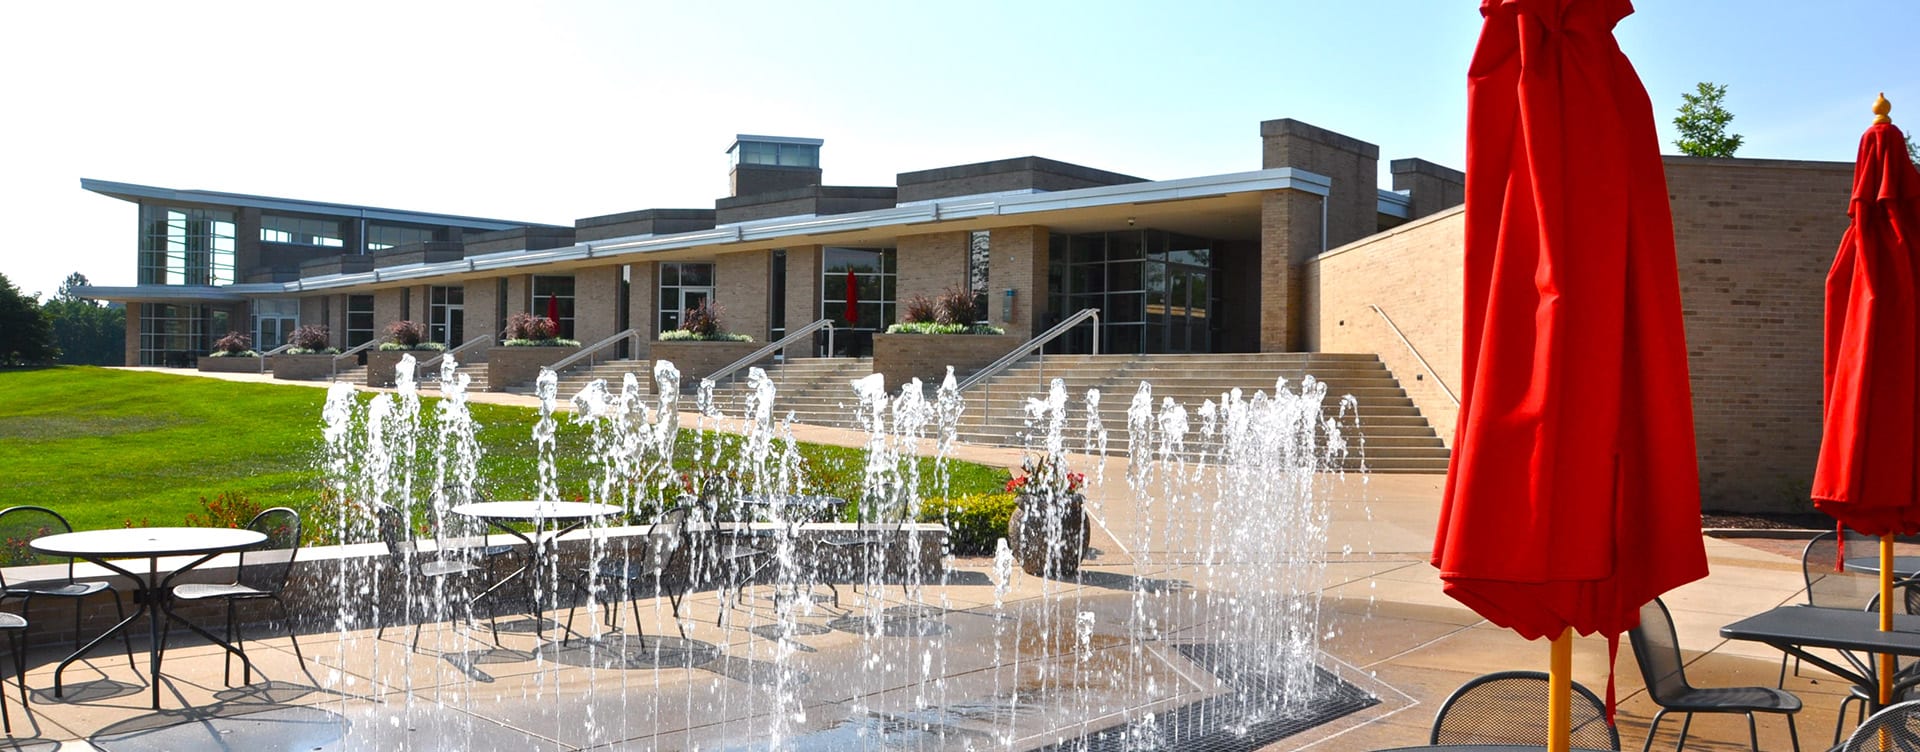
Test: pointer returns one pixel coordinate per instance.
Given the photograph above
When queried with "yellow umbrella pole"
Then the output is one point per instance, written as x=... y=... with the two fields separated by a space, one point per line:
x=1886 y=616
x=1560 y=694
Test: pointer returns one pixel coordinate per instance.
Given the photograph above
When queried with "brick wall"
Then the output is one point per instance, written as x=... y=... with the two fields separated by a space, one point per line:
x=929 y=264
x=643 y=304
x=387 y=308
x=1754 y=240
x=481 y=302
x=1289 y=232
x=1353 y=206
x=803 y=290
x=1413 y=272
x=740 y=286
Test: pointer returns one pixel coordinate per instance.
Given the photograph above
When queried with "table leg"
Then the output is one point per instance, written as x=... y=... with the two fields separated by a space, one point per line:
x=142 y=601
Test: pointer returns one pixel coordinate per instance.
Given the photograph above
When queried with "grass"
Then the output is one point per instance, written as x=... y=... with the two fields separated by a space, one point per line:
x=109 y=448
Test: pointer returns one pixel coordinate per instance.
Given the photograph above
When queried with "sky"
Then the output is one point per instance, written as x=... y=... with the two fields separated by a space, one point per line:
x=551 y=111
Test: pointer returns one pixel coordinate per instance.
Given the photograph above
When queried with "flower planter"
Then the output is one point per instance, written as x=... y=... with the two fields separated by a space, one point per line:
x=232 y=364
x=926 y=356
x=302 y=367
x=381 y=364
x=510 y=366
x=697 y=360
x=1048 y=534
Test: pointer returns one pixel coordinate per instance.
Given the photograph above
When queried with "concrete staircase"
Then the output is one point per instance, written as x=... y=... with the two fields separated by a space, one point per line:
x=354 y=375
x=817 y=391
x=1397 y=437
x=577 y=378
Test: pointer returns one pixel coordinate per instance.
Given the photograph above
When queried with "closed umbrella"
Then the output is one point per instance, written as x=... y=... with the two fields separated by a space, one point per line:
x=1573 y=494
x=553 y=309
x=1868 y=449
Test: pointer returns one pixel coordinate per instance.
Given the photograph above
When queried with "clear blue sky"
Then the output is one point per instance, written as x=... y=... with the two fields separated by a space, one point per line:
x=549 y=112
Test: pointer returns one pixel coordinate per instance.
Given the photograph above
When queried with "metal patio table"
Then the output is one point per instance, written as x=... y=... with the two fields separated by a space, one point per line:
x=1795 y=629
x=1905 y=568
x=150 y=543
x=551 y=519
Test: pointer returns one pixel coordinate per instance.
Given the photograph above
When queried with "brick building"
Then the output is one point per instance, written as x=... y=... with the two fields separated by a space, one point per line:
x=1306 y=253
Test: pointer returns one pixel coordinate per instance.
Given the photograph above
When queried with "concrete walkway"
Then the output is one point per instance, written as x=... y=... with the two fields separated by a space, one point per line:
x=1391 y=631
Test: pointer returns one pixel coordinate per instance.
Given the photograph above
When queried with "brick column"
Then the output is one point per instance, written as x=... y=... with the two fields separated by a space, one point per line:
x=1353 y=206
x=133 y=334
x=803 y=291
x=1289 y=235
x=643 y=304
x=596 y=295
x=1019 y=262
x=1431 y=187
x=740 y=287
x=481 y=300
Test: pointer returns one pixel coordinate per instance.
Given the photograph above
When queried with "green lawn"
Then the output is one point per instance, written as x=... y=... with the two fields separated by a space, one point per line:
x=108 y=448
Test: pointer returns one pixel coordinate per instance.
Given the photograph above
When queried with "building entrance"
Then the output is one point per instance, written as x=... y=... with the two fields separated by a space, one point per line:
x=1154 y=290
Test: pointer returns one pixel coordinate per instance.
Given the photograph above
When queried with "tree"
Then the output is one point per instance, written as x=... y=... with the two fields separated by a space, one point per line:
x=1703 y=123
x=25 y=337
x=87 y=332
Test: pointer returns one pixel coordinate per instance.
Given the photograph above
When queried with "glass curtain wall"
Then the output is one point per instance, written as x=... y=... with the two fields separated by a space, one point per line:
x=180 y=246
x=684 y=285
x=1154 y=290
x=550 y=293
x=174 y=334
x=446 y=315
x=359 y=320
x=870 y=306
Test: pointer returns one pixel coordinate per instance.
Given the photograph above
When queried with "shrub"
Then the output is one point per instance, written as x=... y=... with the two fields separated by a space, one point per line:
x=310 y=339
x=235 y=345
x=682 y=335
x=955 y=306
x=526 y=326
x=227 y=509
x=934 y=328
x=407 y=334
x=703 y=320
x=919 y=309
x=975 y=522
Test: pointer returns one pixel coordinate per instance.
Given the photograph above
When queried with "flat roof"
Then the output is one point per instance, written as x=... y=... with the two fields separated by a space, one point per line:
x=137 y=193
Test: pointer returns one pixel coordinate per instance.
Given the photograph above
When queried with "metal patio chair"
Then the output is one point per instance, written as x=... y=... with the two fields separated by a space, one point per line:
x=262 y=575
x=18 y=527
x=1895 y=727
x=657 y=562
x=1510 y=707
x=1656 y=648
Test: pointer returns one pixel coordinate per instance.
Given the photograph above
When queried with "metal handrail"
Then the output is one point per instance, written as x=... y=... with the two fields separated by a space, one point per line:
x=780 y=345
x=587 y=353
x=270 y=353
x=1416 y=353
x=334 y=367
x=1014 y=355
x=427 y=365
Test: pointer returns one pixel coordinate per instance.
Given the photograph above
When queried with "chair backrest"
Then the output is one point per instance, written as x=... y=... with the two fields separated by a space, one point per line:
x=1829 y=583
x=268 y=566
x=394 y=532
x=1656 y=647
x=19 y=526
x=667 y=541
x=1510 y=707
x=1896 y=726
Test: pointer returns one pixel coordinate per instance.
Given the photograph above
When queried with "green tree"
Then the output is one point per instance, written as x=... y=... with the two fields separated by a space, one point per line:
x=86 y=331
x=25 y=337
x=1703 y=121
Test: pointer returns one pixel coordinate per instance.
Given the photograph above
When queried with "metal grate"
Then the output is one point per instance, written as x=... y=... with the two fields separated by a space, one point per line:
x=1227 y=722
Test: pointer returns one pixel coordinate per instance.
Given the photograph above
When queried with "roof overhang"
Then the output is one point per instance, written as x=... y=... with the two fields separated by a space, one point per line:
x=180 y=293
x=150 y=194
x=1161 y=204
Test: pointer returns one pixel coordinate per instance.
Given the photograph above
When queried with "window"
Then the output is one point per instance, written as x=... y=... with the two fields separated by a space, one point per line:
x=359 y=320
x=872 y=271
x=554 y=295
x=683 y=285
x=785 y=155
x=185 y=246
x=173 y=334
x=447 y=315
x=979 y=252
x=309 y=231
x=381 y=237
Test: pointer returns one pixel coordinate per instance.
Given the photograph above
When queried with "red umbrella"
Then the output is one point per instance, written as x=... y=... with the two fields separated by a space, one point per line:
x=553 y=311
x=1868 y=447
x=853 y=299
x=1573 y=497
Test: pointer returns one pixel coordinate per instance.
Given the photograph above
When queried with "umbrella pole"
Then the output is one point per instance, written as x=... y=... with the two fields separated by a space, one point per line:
x=1560 y=693
x=1886 y=616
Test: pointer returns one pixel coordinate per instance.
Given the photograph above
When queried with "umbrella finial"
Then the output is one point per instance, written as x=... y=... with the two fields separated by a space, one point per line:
x=1880 y=109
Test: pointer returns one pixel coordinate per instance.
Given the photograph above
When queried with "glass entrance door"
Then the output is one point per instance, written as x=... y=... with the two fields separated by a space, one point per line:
x=1184 y=328
x=273 y=322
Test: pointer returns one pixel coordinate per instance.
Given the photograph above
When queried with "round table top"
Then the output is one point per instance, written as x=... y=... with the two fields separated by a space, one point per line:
x=147 y=541
x=809 y=501
x=537 y=510
x=1904 y=565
